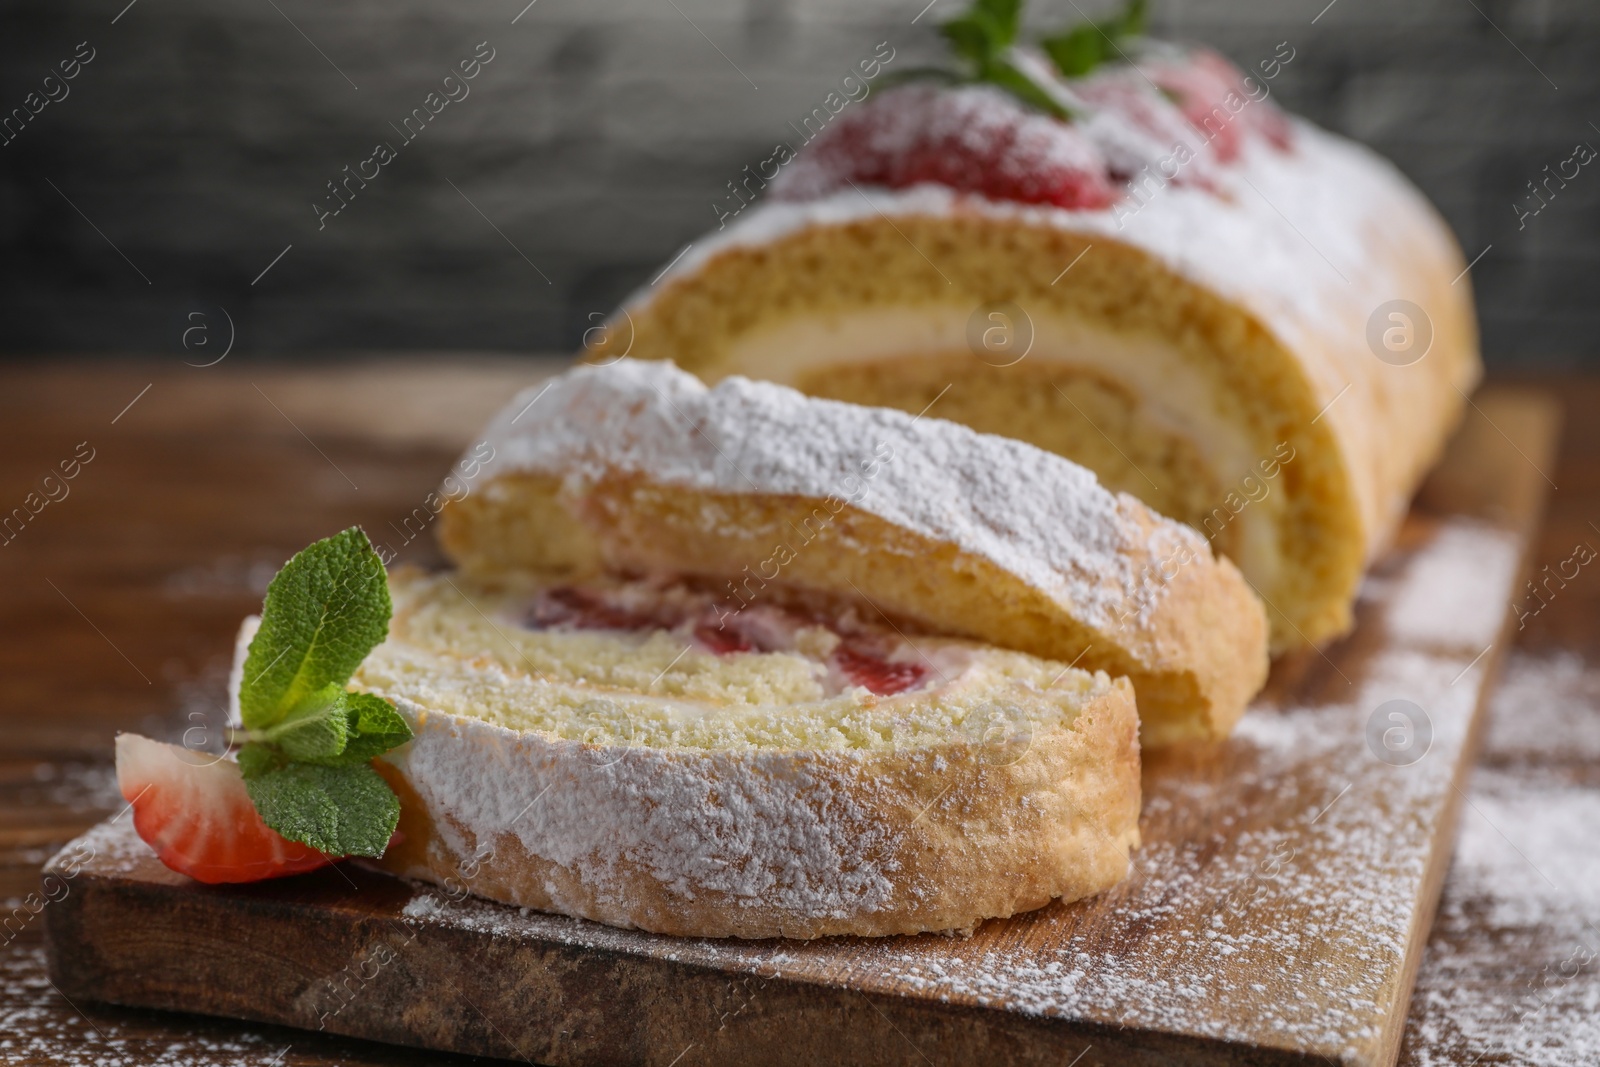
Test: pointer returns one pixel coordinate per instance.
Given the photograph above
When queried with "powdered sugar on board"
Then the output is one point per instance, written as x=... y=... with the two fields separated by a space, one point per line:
x=1512 y=971
x=1434 y=608
x=37 y=1026
x=1030 y=512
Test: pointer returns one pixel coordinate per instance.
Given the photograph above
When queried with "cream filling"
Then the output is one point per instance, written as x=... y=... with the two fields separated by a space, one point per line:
x=1175 y=395
x=986 y=696
x=992 y=699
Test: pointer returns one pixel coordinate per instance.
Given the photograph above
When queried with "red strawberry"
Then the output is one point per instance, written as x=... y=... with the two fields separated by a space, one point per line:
x=192 y=808
x=975 y=139
x=1212 y=94
x=876 y=673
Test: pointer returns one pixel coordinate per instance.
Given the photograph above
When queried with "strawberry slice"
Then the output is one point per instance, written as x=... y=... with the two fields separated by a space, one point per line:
x=193 y=810
x=876 y=673
x=974 y=139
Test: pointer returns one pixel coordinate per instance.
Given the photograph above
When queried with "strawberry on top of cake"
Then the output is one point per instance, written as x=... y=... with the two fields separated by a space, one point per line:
x=1071 y=122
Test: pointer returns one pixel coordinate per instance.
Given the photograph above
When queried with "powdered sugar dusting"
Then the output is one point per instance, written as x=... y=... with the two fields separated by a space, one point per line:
x=767 y=830
x=1548 y=707
x=1512 y=973
x=115 y=847
x=37 y=1025
x=1032 y=513
x=1137 y=128
x=1432 y=608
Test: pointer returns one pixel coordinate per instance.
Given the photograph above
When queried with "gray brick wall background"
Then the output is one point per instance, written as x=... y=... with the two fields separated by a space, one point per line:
x=188 y=152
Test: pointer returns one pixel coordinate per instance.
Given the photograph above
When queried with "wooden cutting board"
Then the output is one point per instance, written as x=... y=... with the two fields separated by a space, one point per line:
x=1276 y=912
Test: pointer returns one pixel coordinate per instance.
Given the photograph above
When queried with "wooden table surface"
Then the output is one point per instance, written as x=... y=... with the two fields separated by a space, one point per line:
x=118 y=599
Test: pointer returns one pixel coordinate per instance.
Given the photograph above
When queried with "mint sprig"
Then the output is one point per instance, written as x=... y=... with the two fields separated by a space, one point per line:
x=984 y=36
x=325 y=610
x=310 y=742
x=1085 y=46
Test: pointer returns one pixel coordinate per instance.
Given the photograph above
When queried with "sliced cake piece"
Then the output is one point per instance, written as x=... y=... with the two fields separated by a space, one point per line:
x=752 y=488
x=619 y=750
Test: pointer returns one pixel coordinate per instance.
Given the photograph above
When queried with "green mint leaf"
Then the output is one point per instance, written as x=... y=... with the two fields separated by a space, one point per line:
x=317 y=728
x=983 y=31
x=970 y=38
x=1081 y=49
x=1134 y=18
x=342 y=811
x=308 y=763
x=325 y=610
x=1004 y=15
x=375 y=728
x=256 y=759
x=1076 y=52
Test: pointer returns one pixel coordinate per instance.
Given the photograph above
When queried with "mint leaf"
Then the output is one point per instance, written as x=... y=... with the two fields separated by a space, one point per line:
x=342 y=811
x=317 y=728
x=1133 y=18
x=256 y=759
x=334 y=728
x=1087 y=45
x=374 y=728
x=1076 y=52
x=970 y=37
x=307 y=764
x=325 y=610
x=984 y=37
x=1002 y=15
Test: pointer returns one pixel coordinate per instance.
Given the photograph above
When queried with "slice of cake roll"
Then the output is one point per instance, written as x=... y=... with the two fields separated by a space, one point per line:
x=740 y=662
x=623 y=750
x=1255 y=327
x=640 y=468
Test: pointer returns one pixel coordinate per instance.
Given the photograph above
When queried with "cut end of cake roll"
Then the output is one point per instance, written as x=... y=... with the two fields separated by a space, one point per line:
x=1253 y=326
x=616 y=750
x=755 y=490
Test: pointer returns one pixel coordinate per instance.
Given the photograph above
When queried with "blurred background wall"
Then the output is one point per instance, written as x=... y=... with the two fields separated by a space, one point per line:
x=171 y=173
